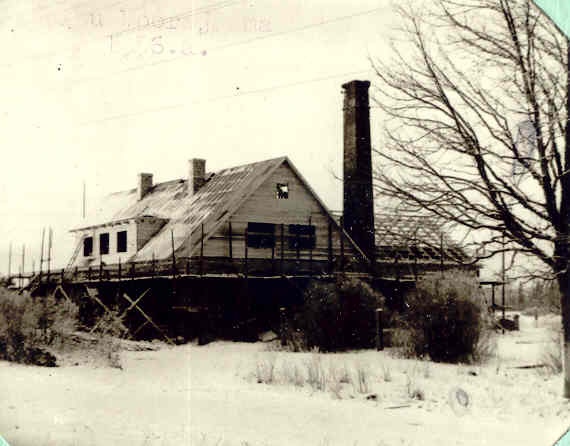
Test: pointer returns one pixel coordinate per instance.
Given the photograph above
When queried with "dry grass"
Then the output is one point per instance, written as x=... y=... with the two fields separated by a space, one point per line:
x=361 y=383
x=265 y=370
x=316 y=373
x=320 y=373
x=413 y=390
x=551 y=356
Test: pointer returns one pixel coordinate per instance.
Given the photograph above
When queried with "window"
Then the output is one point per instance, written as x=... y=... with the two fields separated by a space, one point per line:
x=87 y=246
x=104 y=243
x=302 y=237
x=122 y=241
x=282 y=191
x=260 y=235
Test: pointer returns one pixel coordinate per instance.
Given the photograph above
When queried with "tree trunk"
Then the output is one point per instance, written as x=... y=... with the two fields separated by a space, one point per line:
x=561 y=252
x=565 y=311
x=561 y=249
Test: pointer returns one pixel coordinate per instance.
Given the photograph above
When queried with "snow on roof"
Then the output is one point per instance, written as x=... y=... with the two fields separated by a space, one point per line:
x=222 y=193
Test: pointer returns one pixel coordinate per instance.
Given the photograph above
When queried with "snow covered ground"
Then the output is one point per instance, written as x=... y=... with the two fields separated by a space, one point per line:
x=210 y=395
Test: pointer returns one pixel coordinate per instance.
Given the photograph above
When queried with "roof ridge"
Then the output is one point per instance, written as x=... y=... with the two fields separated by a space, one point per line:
x=183 y=180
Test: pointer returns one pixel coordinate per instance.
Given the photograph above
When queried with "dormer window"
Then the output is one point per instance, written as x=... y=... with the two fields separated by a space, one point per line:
x=282 y=192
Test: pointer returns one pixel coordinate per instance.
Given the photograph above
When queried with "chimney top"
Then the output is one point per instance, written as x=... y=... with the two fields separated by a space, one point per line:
x=356 y=83
x=144 y=185
x=196 y=174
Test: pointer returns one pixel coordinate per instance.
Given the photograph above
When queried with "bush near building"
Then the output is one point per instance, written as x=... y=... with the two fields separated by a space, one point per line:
x=30 y=325
x=336 y=316
x=445 y=318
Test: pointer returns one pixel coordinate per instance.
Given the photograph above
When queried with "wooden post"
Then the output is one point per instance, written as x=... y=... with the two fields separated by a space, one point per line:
x=202 y=250
x=230 y=240
x=62 y=274
x=119 y=271
x=75 y=273
x=282 y=248
x=23 y=260
x=173 y=256
x=441 y=254
x=493 y=298
x=379 y=330
x=100 y=268
x=246 y=253
x=342 y=243
x=283 y=326
x=89 y=273
x=153 y=265
x=49 y=252
x=298 y=244
x=330 y=247
x=42 y=255
x=311 y=247
x=9 y=260
x=132 y=271
x=173 y=266
x=273 y=256
x=416 y=262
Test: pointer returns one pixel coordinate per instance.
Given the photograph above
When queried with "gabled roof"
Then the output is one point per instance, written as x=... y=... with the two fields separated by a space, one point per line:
x=222 y=194
x=414 y=236
x=185 y=213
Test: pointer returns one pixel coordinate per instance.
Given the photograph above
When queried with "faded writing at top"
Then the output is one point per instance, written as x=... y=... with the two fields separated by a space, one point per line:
x=157 y=45
x=180 y=41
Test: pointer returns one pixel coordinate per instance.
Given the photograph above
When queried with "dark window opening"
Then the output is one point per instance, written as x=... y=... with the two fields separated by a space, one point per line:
x=122 y=241
x=302 y=237
x=260 y=235
x=282 y=191
x=87 y=246
x=104 y=243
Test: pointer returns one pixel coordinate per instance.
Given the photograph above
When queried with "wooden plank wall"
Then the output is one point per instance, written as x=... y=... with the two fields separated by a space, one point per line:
x=263 y=206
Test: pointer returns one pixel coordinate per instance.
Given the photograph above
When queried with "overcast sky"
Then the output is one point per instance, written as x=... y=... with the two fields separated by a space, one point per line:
x=98 y=91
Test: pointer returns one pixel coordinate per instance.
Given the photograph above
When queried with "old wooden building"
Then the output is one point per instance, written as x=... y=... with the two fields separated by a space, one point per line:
x=242 y=242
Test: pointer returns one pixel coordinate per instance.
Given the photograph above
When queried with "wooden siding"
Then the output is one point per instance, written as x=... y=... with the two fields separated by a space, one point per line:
x=263 y=206
x=139 y=232
x=113 y=256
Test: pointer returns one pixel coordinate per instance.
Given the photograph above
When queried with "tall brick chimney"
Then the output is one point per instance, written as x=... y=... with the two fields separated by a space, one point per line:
x=144 y=185
x=358 y=199
x=196 y=174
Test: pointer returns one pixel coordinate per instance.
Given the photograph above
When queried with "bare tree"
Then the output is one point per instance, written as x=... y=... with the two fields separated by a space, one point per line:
x=476 y=100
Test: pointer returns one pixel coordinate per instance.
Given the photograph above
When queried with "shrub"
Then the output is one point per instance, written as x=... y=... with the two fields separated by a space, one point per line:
x=29 y=325
x=445 y=317
x=336 y=316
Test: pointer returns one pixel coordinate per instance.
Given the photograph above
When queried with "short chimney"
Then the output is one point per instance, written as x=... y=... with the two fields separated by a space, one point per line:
x=145 y=185
x=358 y=219
x=196 y=174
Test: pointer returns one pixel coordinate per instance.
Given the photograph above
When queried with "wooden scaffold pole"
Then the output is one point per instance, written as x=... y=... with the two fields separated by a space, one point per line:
x=42 y=255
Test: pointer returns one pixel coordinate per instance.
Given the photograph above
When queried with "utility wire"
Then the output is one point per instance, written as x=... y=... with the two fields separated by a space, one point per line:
x=219 y=98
